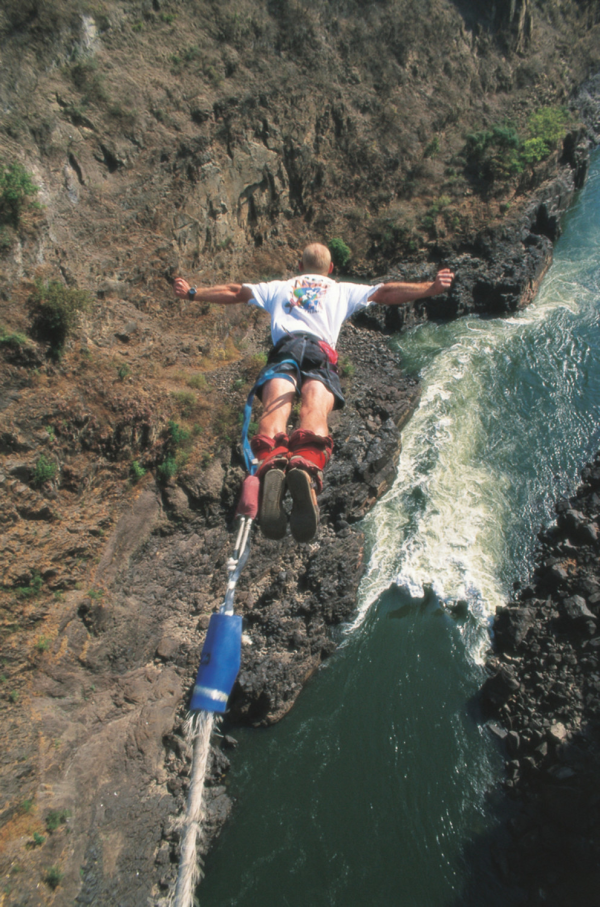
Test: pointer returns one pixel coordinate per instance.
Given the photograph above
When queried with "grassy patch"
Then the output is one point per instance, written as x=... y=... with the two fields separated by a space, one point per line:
x=257 y=362
x=34 y=588
x=432 y=149
x=16 y=187
x=53 y=876
x=12 y=338
x=226 y=421
x=56 y=818
x=85 y=76
x=186 y=402
x=346 y=368
x=198 y=382
x=44 y=471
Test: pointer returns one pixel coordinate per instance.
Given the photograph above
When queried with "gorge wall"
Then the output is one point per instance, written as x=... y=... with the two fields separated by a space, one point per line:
x=213 y=140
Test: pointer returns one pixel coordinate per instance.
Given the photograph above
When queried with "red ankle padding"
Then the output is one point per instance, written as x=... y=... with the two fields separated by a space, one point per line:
x=310 y=452
x=270 y=452
x=248 y=502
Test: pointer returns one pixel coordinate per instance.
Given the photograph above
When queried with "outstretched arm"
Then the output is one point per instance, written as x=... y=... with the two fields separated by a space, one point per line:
x=394 y=293
x=223 y=295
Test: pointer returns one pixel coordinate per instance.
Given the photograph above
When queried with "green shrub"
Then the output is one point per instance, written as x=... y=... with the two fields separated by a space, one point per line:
x=38 y=839
x=42 y=644
x=123 y=372
x=494 y=153
x=549 y=125
x=500 y=152
x=27 y=805
x=44 y=471
x=34 y=588
x=534 y=151
x=346 y=368
x=179 y=436
x=57 y=312
x=257 y=362
x=16 y=186
x=53 y=876
x=340 y=253
x=56 y=818
x=167 y=469
x=137 y=472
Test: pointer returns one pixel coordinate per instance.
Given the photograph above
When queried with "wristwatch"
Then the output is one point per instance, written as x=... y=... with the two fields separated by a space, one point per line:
x=191 y=292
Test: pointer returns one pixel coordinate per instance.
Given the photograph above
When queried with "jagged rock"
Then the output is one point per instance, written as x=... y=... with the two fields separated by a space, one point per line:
x=499 y=688
x=576 y=608
x=167 y=648
x=204 y=487
x=512 y=626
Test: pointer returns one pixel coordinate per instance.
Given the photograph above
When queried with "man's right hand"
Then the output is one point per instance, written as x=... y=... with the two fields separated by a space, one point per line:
x=181 y=287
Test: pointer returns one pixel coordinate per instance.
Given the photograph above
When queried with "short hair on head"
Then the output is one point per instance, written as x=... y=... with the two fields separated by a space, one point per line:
x=316 y=259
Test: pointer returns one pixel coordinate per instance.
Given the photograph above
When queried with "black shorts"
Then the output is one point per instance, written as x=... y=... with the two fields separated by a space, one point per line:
x=312 y=362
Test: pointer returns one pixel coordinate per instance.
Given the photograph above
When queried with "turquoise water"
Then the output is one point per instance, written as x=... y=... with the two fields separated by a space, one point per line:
x=378 y=781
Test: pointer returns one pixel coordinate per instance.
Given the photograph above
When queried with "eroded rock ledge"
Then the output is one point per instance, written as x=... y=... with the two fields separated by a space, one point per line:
x=543 y=694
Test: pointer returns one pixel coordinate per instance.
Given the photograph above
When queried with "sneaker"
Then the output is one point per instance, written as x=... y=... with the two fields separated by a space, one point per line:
x=272 y=518
x=304 y=518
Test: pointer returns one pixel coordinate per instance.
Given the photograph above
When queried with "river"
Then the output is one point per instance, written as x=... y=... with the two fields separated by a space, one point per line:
x=378 y=781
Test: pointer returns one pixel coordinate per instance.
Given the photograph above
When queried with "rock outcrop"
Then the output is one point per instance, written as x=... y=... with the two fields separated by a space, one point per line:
x=542 y=699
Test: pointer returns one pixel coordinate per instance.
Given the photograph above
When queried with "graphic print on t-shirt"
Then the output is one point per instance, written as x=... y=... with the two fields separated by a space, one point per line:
x=307 y=292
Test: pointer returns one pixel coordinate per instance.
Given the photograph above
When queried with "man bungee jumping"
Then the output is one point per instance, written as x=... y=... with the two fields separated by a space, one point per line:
x=307 y=313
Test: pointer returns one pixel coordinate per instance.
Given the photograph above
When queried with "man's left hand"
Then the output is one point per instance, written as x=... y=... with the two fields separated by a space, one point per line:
x=443 y=281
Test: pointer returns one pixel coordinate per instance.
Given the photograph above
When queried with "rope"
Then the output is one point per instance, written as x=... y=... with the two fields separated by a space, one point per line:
x=199 y=727
x=198 y=730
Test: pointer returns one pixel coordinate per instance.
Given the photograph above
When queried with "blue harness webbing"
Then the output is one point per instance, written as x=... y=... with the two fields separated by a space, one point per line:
x=275 y=372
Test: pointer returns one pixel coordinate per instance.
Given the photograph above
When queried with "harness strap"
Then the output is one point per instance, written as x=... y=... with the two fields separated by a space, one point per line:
x=275 y=372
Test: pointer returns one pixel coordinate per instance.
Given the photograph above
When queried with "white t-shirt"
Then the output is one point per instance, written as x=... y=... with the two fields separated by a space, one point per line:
x=310 y=303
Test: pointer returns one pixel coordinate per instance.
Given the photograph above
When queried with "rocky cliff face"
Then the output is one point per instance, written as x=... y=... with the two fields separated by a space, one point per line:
x=214 y=139
x=542 y=701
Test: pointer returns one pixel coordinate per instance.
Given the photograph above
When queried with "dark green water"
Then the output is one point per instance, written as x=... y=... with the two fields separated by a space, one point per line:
x=377 y=783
